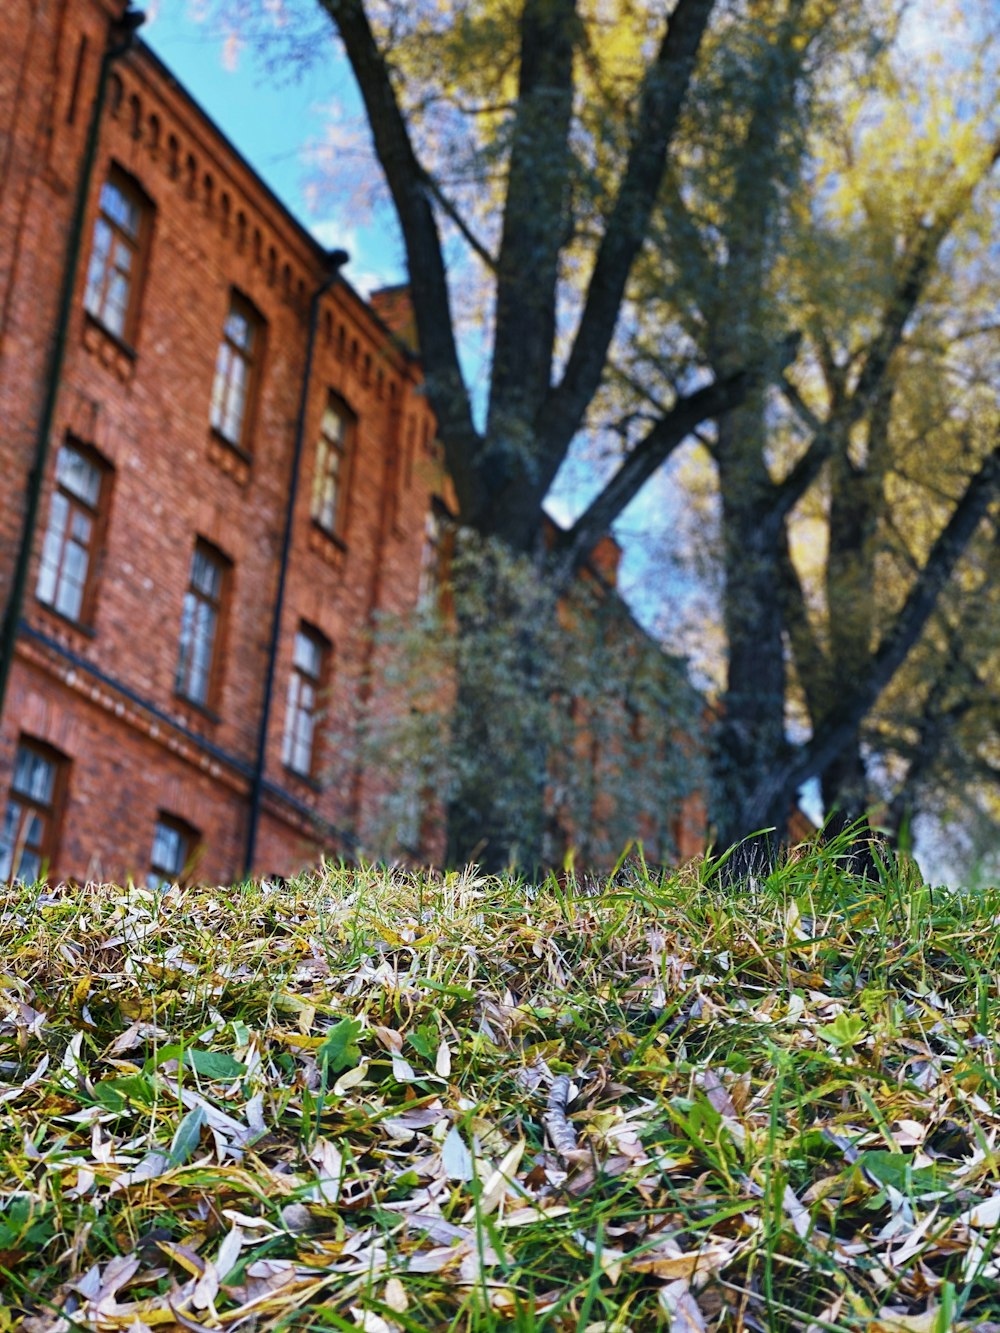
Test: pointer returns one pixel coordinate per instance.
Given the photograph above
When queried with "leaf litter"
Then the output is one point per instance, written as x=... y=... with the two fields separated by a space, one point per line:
x=389 y=1102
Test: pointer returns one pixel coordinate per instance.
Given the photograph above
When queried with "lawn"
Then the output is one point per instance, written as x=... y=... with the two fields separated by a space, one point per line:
x=381 y=1101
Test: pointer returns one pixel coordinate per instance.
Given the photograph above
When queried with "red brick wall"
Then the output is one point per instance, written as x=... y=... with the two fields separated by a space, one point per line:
x=135 y=746
x=49 y=60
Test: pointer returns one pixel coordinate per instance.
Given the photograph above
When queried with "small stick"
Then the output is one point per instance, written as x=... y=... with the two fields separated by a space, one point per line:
x=561 y=1133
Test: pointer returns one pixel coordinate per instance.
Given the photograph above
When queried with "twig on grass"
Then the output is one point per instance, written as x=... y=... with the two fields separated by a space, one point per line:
x=561 y=1133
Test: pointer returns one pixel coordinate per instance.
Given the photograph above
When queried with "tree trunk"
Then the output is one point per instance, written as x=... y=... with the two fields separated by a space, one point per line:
x=856 y=499
x=844 y=785
x=750 y=736
x=499 y=737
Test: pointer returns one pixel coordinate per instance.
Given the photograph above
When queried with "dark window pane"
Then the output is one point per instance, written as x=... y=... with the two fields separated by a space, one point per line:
x=233 y=365
x=67 y=549
x=113 y=255
x=34 y=775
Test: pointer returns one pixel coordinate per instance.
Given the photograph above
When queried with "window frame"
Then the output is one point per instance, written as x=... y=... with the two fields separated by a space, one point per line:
x=433 y=590
x=191 y=842
x=137 y=245
x=252 y=359
x=429 y=580
x=98 y=517
x=343 y=450
x=220 y=604
x=319 y=682
x=50 y=811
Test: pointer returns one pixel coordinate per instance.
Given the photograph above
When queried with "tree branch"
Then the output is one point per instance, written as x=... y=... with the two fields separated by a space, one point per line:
x=450 y=209
x=406 y=179
x=534 y=223
x=663 y=93
x=654 y=449
x=841 y=728
x=915 y=271
x=799 y=405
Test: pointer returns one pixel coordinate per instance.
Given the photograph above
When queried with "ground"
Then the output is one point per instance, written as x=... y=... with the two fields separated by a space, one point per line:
x=384 y=1101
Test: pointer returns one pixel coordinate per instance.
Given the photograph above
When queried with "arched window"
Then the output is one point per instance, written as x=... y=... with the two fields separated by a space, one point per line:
x=30 y=823
x=118 y=255
x=236 y=367
x=332 y=460
x=73 y=538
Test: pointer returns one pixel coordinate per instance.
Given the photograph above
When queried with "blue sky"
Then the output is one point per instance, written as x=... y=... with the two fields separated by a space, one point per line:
x=302 y=134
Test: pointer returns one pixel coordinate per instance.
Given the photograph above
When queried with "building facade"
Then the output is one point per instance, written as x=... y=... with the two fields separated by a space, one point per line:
x=235 y=435
x=219 y=466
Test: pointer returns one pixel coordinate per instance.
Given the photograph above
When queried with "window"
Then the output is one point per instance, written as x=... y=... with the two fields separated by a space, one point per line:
x=174 y=844
x=234 y=366
x=65 y=576
x=303 y=713
x=330 y=476
x=27 y=838
x=112 y=290
x=200 y=622
x=430 y=562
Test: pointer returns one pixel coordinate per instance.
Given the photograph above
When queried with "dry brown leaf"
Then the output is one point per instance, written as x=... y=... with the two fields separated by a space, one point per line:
x=668 y=1260
x=681 y=1308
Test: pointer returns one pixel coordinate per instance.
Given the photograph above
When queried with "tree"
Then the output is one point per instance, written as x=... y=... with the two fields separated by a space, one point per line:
x=612 y=715
x=569 y=127
x=650 y=205
x=790 y=205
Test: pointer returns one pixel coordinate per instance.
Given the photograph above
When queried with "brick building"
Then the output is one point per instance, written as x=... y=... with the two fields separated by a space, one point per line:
x=218 y=464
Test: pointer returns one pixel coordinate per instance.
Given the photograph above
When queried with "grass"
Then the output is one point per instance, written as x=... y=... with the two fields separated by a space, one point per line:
x=388 y=1102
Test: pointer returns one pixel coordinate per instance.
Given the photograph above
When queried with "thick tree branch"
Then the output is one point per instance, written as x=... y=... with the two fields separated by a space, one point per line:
x=682 y=420
x=811 y=663
x=799 y=405
x=650 y=453
x=534 y=226
x=789 y=492
x=663 y=93
x=428 y=280
x=835 y=376
x=842 y=725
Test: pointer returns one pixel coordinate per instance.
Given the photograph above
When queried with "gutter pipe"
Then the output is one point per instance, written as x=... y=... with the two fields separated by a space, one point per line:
x=335 y=259
x=120 y=39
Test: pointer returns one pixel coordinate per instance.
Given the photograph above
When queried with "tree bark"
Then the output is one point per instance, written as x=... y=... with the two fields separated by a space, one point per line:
x=750 y=734
x=499 y=739
x=841 y=729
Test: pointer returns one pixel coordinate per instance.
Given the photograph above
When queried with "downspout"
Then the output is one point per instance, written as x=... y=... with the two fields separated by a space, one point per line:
x=335 y=259
x=120 y=40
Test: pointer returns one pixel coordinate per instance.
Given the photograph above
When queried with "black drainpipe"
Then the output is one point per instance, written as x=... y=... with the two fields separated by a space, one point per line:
x=120 y=40
x=336 y=259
